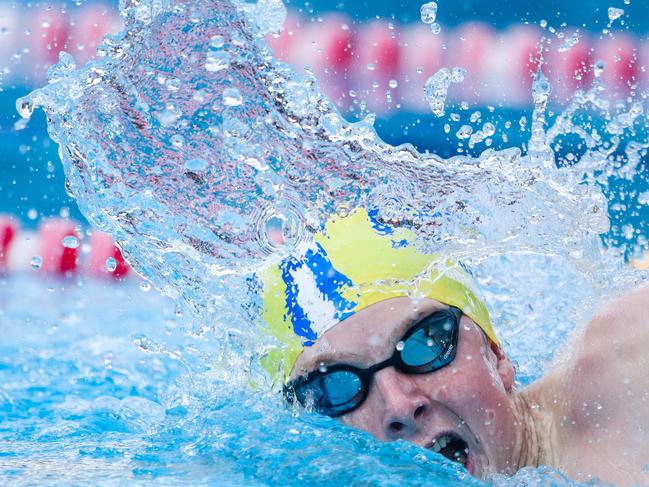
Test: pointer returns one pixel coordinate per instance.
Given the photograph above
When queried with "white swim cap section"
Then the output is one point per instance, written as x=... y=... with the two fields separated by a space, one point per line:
x=317 y=308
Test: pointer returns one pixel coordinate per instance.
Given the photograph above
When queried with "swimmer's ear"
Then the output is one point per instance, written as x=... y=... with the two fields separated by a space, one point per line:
x=504 y=367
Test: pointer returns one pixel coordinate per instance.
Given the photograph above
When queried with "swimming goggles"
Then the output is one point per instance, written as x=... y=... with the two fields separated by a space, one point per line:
x=338 y=389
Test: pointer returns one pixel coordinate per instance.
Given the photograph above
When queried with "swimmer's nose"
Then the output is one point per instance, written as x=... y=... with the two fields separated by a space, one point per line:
x=404 y=404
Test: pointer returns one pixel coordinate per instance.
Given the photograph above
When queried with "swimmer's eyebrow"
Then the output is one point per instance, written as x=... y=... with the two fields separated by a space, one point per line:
x=334 y=358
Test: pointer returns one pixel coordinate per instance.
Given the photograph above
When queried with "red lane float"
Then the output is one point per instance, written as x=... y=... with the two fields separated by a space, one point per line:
x=8 y=230
x=89 y=24
x=105 y=258
x=620 y=57
x=51 y=27
x=422 y=55
x=471 y=44
x=58 y=249
x=571 y=68
x=376 y=63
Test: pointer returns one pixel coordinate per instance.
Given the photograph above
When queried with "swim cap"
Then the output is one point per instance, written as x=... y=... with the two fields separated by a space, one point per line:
x=355 y=261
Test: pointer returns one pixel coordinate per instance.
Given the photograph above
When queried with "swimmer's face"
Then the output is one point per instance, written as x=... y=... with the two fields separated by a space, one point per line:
x=465 y=405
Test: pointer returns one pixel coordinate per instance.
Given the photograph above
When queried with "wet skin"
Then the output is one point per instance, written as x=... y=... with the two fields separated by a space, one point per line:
x=587 y=416
x=472 y=397
x=597 y=399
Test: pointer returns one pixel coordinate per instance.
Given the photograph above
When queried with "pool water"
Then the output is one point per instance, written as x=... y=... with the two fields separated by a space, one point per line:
x=105 y=383
x=102 y=384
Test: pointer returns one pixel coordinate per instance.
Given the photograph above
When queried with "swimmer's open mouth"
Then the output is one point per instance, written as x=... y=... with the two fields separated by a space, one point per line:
x=452 y=447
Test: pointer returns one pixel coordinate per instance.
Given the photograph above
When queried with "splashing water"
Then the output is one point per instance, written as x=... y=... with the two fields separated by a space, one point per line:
x=614 y=13
x=189 y=142
x=428 y=14
x=436 y=88
x=570 y=42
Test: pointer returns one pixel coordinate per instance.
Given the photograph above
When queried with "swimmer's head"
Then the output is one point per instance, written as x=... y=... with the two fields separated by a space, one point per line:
x=356 y=261
x=392 y=340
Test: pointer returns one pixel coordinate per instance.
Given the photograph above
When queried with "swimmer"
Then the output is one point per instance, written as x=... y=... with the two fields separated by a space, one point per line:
x=400 y=344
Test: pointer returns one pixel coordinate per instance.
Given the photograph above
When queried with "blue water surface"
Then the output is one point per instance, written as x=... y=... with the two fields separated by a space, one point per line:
x=102 y=384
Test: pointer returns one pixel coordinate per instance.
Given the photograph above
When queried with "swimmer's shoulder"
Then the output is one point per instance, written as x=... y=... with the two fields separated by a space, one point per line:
x=610 y=360
x=601 y=393
x=624 y=322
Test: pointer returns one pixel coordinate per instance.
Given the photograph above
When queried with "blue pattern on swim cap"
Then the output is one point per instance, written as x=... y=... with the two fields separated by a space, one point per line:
x=328 y=282
x=301 y=324
x=380 y=228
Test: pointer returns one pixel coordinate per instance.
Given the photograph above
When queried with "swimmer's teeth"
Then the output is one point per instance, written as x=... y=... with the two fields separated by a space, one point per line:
x=452 y=447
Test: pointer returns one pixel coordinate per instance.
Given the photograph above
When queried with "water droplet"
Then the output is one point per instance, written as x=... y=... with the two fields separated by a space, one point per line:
x=436 y=89
x=322 y=368
x=37 y=262
x=523 y=122
x=343 y=211
x=430 y=342
x=111 y=264
x=400 y=345
x=615 y=13
x=70 y=242
x=488 y=129
x=232 y=97
x=32 y=214
x=217 y=60
x=177 y=140
x=25 y=107
x=541 y=88
x=393 y=83
x=332 y=123
x=173 y=84
x=435 y=28
x=598 y=68
x=268 y=15
x=428 y=12
x=196 y=165
x=464 y=132
x=570 y=42
x=145 y=286
x=217 y=42
x=458 y=74
x=168 y=117
x=643 y=198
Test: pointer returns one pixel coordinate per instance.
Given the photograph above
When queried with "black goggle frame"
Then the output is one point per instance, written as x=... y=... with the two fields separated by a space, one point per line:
x=298 y=389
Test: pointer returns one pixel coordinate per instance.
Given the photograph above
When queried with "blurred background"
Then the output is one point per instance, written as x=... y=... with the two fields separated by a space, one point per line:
x=370 y=56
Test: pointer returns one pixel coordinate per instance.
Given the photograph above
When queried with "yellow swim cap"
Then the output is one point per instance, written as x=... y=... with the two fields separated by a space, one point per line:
x=356 y=261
